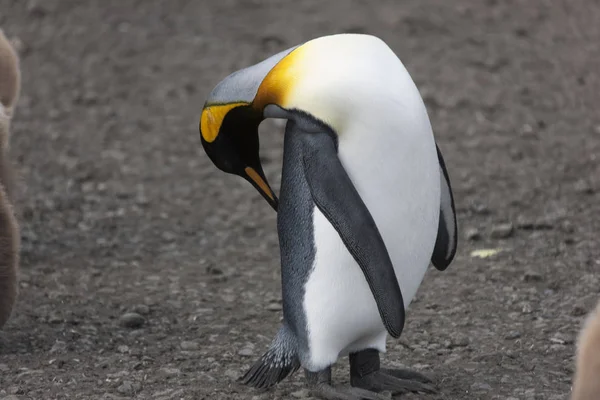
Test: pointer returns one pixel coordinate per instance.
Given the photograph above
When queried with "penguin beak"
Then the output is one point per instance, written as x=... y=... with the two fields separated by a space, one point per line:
x=229 y=134
x=258 y=180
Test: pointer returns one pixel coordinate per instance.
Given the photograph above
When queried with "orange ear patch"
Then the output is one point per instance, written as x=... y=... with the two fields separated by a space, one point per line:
x=212 y=119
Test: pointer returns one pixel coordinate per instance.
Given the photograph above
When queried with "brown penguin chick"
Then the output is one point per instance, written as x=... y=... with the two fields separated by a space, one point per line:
x=9 y=229
x=586 y=384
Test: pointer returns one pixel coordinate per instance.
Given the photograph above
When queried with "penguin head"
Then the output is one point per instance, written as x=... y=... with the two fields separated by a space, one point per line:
x=327 y=79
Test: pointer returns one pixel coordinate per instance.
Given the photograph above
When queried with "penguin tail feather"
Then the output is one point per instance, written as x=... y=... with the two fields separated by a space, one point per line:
x=276 y=364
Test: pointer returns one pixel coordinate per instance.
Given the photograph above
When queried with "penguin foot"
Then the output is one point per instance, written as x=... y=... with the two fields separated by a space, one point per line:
x=321 y=388
x=407 y=374
x=328 y=392
x=379 y=381
x=365 y=373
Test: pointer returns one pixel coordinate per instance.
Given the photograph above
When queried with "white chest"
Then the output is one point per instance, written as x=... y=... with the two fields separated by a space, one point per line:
x=398 y=178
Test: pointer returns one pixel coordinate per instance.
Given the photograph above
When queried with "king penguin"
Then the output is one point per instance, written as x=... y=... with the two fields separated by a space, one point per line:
x=365 y=204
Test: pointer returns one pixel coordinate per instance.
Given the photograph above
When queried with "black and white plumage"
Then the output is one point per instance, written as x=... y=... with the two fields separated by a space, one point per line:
x=365 y=202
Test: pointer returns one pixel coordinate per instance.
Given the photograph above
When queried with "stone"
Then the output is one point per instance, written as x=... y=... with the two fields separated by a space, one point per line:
x=512 y=335
x=479 y=208
x=502 y=231
x=460 y=341
x=232 y=374
x=481 y=386
x=129 y=388
x=246 y=352
x=577 y=311
x=189 y=345
x=58 y=347
x=532 y=276
x=132 y=320
x=170 y=371
x=141 y=309
x=212 y=270
x=582 y=186
x=274 y=307
x=560 y=338
x=472 y=234
x=301 y=394
x=37 y=9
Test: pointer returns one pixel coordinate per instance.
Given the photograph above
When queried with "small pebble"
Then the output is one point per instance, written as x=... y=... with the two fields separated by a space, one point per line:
x=527 y=309
x=452 y=358
x=557 y=347
x=126 y=387
x=480 y=209
x=582 y=186
x=481 y=386
x=37 y=9
x=232 y=374
x=301 y=394
x=532 y=276
x=528 y=225
x=141 y=309
x=513 y=335
x=528 y=366
x=274 y=307
x=458 y=342
x=58 y=347
x=578 y=311
x=168 y=236
x=55 y=318
x=162 y=393
x=472 y=234
x=170 y=371
x=502 y=231
x=123 y=349
x=132 y=320
x=560 y=338
x=212 y=270
x=14 y=390
x=189 y=345
x=246 y=352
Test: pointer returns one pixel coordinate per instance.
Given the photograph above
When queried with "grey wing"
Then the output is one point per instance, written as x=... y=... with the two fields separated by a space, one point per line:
x=446 y=241
x=336 y=197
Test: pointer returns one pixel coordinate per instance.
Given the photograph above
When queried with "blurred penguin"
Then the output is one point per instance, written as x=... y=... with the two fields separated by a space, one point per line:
x=586 y=384
x=10 y=81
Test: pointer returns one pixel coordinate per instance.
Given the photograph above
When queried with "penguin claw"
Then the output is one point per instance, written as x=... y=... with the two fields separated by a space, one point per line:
x=329 y=392
x=407 y=374
x=366 y=373
x=381 y=380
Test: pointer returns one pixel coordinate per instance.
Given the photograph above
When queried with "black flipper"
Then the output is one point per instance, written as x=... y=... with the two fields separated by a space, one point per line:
x=337 y=198
x=446 y=241
x=276 y=364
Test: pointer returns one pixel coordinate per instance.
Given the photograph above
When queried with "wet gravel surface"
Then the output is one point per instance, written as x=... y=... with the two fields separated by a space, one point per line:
x=148 y=274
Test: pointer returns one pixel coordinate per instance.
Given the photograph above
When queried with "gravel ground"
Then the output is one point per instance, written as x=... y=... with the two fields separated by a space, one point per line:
x=148 y=274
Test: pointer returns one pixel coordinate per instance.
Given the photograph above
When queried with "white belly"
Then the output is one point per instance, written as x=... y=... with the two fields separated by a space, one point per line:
x=398 y=178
